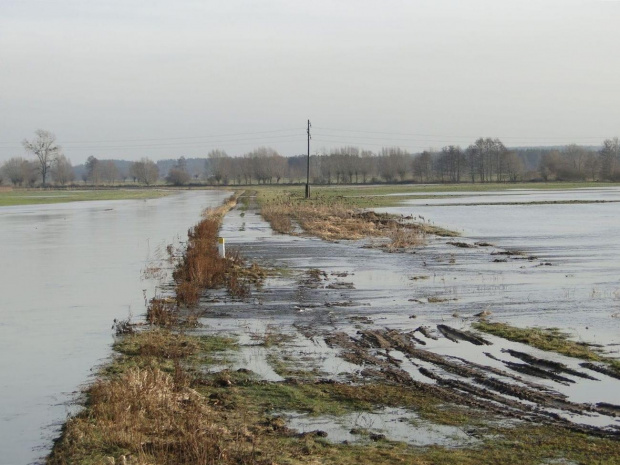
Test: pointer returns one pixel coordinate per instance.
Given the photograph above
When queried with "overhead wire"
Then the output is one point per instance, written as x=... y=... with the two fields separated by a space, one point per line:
x=325 y=135
x=444 y=136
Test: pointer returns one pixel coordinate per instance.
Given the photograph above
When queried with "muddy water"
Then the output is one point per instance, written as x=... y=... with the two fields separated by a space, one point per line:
x=68 y=270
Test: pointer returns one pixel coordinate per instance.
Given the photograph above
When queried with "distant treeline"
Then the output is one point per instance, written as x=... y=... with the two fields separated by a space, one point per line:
x=486 y=160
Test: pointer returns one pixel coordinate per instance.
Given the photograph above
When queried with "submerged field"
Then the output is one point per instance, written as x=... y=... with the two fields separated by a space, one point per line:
x=362 y=347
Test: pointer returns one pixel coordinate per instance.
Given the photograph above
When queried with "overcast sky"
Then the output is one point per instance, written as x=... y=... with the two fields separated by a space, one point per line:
x=159 y=78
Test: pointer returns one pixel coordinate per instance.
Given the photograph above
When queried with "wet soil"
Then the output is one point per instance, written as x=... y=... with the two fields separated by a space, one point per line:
x=362 y=330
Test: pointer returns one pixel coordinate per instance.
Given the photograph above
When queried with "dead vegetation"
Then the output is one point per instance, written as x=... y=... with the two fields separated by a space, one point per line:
x=333 y=220
x=201 y=266
x=146 y=416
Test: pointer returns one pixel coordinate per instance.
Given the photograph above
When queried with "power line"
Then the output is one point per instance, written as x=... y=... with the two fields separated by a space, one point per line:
x=368 y=144
x=298 y=130
x=210 y=143
x=459 y=136
x=189 y=144
x=384 y=138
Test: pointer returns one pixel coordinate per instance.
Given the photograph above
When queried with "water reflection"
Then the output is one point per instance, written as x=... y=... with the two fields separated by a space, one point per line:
x=67 y=271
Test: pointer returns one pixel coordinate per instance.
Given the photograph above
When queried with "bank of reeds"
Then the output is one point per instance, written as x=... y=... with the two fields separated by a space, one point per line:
x=201 y=267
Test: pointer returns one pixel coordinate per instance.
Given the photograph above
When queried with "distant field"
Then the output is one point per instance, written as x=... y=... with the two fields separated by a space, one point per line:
x=37 y=196
x=382 y=195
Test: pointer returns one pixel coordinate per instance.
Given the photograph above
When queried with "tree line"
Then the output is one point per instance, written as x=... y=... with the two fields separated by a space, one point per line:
x=485 y=160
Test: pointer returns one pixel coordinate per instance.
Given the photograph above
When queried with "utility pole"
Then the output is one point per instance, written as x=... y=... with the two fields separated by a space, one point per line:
x=308 y=167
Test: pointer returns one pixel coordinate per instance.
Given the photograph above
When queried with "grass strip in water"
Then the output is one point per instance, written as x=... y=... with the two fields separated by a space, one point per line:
x=338 y=217
x=549 y=339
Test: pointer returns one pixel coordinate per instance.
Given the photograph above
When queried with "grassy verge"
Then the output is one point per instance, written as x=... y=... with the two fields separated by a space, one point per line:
x=32 y=197
x=550 y=339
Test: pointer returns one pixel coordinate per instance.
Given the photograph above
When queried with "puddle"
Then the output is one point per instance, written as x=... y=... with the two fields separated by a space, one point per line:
x=395 y=424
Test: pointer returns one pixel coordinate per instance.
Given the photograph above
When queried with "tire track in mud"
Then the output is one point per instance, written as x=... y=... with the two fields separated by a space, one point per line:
x=466 y=383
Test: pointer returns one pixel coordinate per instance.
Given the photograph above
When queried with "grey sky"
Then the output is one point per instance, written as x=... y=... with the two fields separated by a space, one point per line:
x=132 y=78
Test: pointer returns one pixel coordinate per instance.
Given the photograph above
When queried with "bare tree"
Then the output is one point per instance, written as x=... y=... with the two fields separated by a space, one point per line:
x=46 y=150
x=218 y=166
x=92 y=170
x=144 y=171
x=62 y=170
x=178 y=174
x=367 y=163
x=15 y=170
x=513 y=166
x=109 y=172
x=423 y=166
x=610 y=159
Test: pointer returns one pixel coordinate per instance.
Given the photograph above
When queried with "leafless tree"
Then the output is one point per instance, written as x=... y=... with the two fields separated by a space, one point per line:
x=423 y=166
x=144 y=171
x=610 y=159
x=108 y=172
x=219 y=166
x=62 y=170
x=16 y=170
x=46 y=150
x=178 y=174
x=513 y=166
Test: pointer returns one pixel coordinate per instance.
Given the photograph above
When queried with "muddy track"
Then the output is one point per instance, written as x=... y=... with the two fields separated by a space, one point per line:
x=456 y=335
x=600 y=369
x=474 y=385
x=547 y=364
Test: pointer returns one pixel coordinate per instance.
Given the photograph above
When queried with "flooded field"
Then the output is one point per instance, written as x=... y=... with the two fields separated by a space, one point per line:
x=351 y=312
x=578 y=245
x=69 y=270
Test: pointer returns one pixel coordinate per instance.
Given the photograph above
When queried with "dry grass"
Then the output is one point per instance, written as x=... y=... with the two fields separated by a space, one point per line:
x=333 y=220
x=402 y=238
x=159 y=343
x=145 y=416
x=201 y=266
x=162 y=312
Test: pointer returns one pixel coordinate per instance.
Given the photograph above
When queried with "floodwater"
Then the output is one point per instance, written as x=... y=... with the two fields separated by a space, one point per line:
x=68 y=270
x=567 y=276
x=578 y=245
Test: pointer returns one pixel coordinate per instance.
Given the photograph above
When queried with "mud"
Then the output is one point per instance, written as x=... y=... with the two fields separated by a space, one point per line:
x=547 y=364
x=456 y=335
x=600 y=369
x=365 y=331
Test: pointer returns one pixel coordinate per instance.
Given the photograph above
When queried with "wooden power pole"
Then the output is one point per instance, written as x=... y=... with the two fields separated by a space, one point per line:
x=308 y=165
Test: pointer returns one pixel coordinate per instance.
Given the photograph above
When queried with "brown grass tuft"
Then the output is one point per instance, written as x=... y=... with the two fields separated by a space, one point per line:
x=162 y=312
x=202 y=267
x=146 y=416
x=334 y=220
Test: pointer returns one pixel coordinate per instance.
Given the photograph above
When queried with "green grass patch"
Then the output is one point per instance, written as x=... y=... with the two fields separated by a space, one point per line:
x=550 y=339
x=46 y=196
x=523 y=445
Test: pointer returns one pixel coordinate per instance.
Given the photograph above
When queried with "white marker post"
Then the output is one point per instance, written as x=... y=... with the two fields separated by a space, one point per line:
x=221 y=246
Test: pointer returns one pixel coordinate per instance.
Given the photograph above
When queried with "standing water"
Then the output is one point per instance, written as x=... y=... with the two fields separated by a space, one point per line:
x=67 y=271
